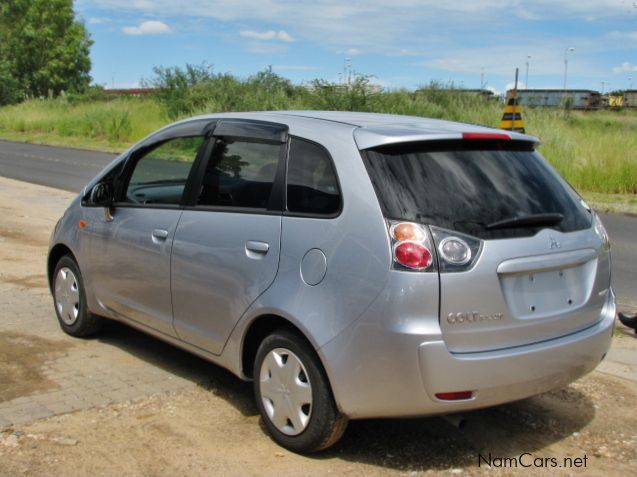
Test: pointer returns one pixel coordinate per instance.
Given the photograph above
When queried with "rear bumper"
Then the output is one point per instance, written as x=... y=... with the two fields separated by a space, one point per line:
x=507 y=375
x=397 y=374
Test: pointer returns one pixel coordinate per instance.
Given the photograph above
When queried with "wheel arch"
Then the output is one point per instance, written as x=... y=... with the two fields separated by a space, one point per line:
x=260 y=328
x=56 y=253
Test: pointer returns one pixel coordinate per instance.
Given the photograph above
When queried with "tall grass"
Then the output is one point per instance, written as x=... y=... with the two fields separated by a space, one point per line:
x=97 y=124
x=595 y=151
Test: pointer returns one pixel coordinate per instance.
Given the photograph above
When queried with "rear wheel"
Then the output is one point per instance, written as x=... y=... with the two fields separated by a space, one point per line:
x=294 y=396
x=69 y=299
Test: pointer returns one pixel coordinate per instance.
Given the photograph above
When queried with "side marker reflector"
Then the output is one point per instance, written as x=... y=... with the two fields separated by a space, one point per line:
x=455 y=396
x=82 y=224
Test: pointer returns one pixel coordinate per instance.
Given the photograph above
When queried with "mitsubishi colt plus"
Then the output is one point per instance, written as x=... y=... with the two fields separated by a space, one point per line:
x=351 y=265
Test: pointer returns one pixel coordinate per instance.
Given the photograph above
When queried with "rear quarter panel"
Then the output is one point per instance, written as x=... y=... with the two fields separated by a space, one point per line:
x=355 y=244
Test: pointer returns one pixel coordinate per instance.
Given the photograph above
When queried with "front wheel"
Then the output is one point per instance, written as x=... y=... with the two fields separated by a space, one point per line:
x=69 y=299
x=294 y=396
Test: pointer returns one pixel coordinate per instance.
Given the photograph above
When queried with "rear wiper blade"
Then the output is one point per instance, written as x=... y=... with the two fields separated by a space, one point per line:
x=527 y=221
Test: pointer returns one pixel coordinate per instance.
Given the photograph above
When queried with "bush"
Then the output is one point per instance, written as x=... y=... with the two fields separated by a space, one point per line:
x=181 y=91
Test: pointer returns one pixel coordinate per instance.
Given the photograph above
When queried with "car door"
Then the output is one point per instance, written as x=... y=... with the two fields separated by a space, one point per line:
x=131 y=248
x=226 y=246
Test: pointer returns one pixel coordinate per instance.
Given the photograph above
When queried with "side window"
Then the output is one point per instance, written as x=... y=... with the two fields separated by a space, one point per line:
x=160 y=176
x=312 y=187
x=240 y=174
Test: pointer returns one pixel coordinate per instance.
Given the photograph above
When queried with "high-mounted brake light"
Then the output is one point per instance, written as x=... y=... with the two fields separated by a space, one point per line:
x=486 y=136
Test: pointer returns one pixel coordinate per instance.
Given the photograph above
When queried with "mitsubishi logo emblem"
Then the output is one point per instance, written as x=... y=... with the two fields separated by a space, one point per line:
x=554 y=243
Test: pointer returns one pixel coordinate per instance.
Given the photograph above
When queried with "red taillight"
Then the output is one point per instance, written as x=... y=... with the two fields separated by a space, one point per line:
x=412 y=255
x=486 y=136
x=411 y=247
x=455 y=396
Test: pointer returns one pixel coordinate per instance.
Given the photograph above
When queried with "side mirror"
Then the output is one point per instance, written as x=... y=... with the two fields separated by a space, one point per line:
x=102 y=195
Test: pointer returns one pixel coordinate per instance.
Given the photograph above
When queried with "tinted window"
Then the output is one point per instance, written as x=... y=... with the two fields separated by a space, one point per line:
x=160 y=175
x=464 y=189
x=240 y=174
x=312 y=187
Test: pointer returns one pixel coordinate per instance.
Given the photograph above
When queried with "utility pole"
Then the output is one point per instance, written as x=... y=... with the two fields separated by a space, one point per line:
x=603 y=84
x=526 y=81
x=566 y=64
x=348 y=70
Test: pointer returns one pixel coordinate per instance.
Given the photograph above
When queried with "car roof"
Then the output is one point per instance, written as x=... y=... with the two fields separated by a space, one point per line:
x=376 y=129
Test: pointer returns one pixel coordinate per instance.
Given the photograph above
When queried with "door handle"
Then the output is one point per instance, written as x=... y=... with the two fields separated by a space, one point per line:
x=160 y=234
x=257 y=247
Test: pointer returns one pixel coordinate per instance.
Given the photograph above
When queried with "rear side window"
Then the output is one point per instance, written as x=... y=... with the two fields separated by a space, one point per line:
x=467 y=188
x=240 y=174
x=312 y=187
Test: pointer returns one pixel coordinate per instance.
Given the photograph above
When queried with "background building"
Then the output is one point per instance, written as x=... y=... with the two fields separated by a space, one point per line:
x=581 y=98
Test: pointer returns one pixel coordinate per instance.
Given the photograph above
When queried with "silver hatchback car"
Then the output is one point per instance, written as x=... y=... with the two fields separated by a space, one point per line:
x=352 y=265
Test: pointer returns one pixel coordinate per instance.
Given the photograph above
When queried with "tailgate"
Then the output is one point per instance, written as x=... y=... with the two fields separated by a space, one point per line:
x=525 y=290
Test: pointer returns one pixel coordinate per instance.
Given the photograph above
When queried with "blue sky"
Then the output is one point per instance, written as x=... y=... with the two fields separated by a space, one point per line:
x=402 y=43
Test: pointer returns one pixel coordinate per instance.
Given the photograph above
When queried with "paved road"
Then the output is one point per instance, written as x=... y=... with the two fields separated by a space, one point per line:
x=623 y=237
x=71 y=169
x=67 y=169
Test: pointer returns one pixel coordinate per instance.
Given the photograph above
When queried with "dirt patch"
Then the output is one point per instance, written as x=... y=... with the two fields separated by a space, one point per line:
x=29 y=281
x=21 y=357
x=22 y=238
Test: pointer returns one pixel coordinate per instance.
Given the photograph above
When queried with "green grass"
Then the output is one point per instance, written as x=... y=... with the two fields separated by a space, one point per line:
x=623 y=203
x=595 y=151
x=101 y=125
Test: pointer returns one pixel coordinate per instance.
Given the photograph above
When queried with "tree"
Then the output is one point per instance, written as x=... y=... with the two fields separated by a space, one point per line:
x=44 y=50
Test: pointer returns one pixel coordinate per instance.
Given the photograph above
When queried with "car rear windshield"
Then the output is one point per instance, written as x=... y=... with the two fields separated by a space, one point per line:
x=470 y=186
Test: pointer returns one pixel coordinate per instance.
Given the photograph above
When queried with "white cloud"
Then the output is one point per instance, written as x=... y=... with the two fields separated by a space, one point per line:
x=405 y=52
x=280 y=35
x=625 y=67
x=623 y=35
x=350 y=52
x=98 y=20
x=527 y=15
x=500 y=59
x=149 y=27
x=511 y=85
x=266 y=47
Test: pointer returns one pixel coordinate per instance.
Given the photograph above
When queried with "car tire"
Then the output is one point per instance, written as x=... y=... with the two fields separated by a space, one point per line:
x=288 y=374
x=69 y=300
